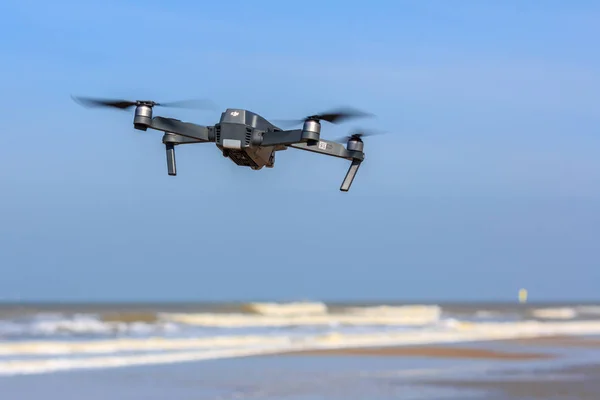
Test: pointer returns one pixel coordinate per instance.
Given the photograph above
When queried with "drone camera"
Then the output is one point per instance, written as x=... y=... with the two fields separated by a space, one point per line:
x=311 y=131
x=142 y=117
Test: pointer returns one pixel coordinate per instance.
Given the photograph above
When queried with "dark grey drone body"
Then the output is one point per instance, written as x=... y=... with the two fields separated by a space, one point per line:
x=245 y=137
x=239 y=136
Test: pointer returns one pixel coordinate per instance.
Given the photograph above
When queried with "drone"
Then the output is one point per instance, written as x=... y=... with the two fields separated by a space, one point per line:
x=245 y=137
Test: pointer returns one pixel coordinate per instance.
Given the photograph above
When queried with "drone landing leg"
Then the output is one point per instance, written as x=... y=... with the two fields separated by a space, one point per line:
x=336 y=150
x=171 y=165
x=350 y=175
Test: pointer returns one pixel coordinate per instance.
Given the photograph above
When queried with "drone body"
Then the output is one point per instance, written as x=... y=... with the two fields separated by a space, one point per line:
x=246 y=138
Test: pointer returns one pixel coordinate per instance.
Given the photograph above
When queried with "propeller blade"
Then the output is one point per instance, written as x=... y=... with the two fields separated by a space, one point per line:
x=333 y=117
x=90 y=102
x=125 y=104
x=359 y=134
x=340 y=115
x=191 y=103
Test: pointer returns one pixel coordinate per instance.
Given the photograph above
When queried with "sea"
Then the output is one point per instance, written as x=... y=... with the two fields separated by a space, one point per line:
x=137 y=346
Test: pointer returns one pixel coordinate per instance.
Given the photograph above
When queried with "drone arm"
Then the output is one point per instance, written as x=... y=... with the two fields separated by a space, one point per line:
x=197 y=133
x=330 y=149
x=172 y=139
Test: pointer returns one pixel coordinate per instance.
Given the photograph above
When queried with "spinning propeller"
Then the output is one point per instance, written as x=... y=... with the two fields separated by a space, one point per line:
x=332 y=117
x=357 y=135
x=125 y=104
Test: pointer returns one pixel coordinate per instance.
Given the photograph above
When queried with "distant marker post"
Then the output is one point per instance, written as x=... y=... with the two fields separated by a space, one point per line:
x=523 y=296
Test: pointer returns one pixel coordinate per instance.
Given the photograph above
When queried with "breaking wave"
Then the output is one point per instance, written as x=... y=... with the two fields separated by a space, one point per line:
x=286 y=309
x=248 y=316
x=50 y=325
x=300 y=316
x=566 y=313
x=555 y=313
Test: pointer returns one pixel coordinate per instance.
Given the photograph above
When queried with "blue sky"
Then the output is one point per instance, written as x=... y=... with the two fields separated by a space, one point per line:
x=488 y=180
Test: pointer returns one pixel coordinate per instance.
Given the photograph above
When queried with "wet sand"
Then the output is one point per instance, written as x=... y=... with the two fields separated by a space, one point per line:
x=574 y=383
x=427 y=351
x=559 y=341
x=556 y=378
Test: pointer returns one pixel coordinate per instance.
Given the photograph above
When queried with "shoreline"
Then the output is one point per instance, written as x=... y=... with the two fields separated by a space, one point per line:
x=453 y=352
x=559 y=341
x=460 y=351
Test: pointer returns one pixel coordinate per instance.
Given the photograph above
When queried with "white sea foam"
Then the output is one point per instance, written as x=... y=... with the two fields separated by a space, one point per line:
x=357 y=316
x=252 y=315
x=81 y=324
x=420 y=312
x=227 y=347
x=287 y=309
x=246 y=321
x=555 y=313
x=133 y=344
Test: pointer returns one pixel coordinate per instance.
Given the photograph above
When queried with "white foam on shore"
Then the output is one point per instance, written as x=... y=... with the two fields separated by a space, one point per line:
x=235 y=346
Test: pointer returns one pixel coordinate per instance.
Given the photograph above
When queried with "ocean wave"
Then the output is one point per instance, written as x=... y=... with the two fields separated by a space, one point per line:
x=566 y=313
x=80 y=324
x=251 y=318
x=554 y=313
x=286 y=309
x=313 y=314
x=432 y=312
x=257 y=315
x=197 y=349
x=246 y=321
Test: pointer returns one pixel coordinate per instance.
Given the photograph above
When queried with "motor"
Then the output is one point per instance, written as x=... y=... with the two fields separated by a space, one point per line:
x=143 y=117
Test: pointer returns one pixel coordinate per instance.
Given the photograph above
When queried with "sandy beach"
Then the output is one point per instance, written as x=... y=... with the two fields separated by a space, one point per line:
x=555 y=375
x=574 y=383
